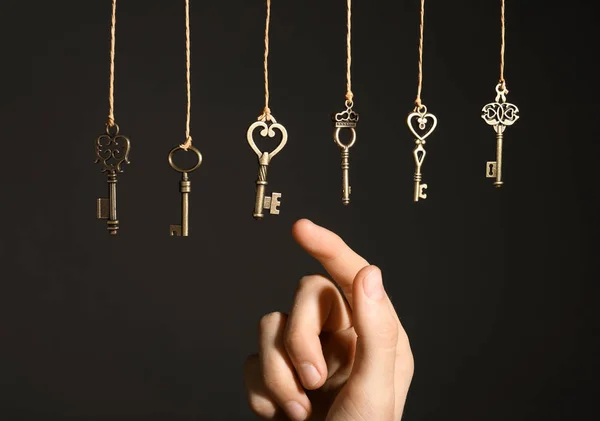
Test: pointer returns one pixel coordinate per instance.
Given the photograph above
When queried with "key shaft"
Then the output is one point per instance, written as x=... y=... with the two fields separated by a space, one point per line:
x=261 y=185
x=185 y=187
x=419 y=188
x=499 y=139
x=346 y=189
x=107 y=207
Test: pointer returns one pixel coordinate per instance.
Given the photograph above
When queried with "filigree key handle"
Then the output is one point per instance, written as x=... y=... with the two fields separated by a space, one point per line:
x=112 y=151
x=185 y=187
x=263 y=202
x=345 y=120
x=421 y=132
x=499 y=114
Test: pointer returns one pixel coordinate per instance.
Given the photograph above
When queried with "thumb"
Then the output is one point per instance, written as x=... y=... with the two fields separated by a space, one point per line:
x=377 y=328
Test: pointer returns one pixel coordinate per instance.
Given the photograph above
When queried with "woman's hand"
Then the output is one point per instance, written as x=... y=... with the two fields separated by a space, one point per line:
x=340 y=354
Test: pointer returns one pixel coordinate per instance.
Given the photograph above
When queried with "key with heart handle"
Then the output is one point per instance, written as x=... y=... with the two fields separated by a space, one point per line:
x=421 y=132
x=262 y=201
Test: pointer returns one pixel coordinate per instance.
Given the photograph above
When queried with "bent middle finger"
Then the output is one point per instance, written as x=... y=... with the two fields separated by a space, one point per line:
x=318 y=307
x=277 y=370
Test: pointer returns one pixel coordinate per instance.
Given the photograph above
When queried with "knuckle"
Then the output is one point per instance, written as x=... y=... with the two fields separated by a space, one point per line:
x=293 y=339
x=270 y=320
x=274 y=381
x=309 y=281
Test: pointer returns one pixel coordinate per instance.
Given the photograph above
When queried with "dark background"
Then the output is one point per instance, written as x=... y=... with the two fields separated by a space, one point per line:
x=494 y=287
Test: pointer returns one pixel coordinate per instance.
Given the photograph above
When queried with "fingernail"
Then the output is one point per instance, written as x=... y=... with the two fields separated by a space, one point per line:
x=309 y=375
x=373 y=285
x=295 y=411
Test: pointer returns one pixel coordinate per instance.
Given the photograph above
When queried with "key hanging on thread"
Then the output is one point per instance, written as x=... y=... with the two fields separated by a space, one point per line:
x=420 y=122
x=499 y=114
x=267 y=122
x=112 y=148
x=349 y=118
x=185 y=185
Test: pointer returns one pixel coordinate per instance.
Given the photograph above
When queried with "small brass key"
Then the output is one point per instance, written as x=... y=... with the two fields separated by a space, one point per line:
x=426 y=124
x=185 y=187
x=345 y=120
x=263 y=202
x=112 y=150
x=499 y=114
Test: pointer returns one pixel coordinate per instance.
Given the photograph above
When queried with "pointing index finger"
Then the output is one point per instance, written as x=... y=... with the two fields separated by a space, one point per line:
x=339 y=260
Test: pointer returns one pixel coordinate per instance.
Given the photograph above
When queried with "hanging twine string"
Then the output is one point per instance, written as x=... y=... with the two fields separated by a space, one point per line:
x=418 y=103
x=266 y=114
x=111 y=87
x=349 y=94
x=502 y=47
x=188 y=137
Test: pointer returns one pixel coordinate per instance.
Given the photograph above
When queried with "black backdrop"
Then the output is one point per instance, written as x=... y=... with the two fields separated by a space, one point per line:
x=493 y=286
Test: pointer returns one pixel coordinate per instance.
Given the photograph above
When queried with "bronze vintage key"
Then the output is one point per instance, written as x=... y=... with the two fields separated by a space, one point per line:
x=112 y=150
x=345 y=120
x=263 y=202
x=421 y=132
x=499 y=114
x=185 y=187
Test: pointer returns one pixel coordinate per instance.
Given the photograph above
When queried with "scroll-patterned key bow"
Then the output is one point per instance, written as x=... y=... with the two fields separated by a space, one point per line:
x=499 y=114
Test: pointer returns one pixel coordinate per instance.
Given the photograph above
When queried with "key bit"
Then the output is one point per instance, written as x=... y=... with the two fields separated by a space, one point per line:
x=272 y=203
x=102 y=206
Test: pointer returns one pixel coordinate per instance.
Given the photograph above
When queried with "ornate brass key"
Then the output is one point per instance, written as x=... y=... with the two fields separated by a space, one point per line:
x=421 y=132
x=263 y=202
x=112 y=150
x=345 y=120
x=185 y=187
x=499 y=114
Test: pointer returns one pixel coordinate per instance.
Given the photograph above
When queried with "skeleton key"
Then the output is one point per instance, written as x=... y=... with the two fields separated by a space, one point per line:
x=185 y=187
x=112 y=150
x=499 y=114
x=263 y=202
x=345 y=120
x=422 y=117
